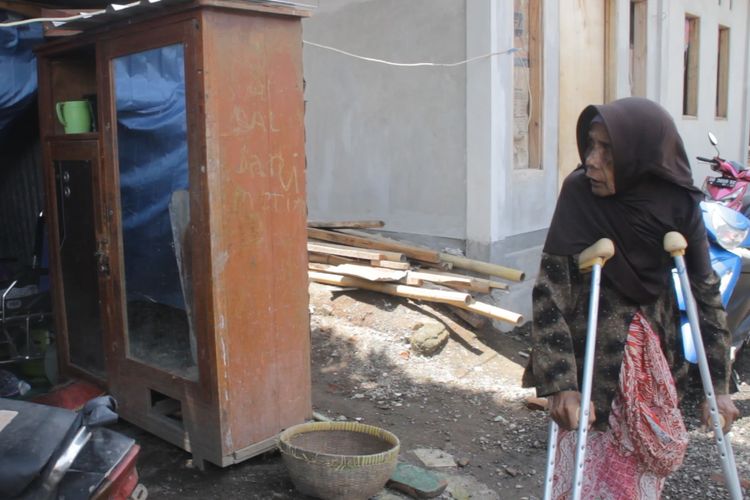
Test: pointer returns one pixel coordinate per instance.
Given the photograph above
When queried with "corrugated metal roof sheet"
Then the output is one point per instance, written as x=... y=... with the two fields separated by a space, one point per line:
x=116 y=12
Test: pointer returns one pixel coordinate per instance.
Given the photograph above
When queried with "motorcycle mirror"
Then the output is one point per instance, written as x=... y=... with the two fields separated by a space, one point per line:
x=714 y=142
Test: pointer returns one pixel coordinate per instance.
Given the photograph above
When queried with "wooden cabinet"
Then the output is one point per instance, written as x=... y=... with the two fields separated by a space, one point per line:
x=178 y=240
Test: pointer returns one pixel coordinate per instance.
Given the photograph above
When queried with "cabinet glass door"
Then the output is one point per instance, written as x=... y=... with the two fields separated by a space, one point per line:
x=77 y=251
x=152 y=150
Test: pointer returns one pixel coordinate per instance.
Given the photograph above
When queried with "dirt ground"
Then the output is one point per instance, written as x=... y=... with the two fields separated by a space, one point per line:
x=465 y=400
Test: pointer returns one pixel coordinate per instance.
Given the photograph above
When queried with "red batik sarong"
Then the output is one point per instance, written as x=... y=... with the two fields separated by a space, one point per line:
x=646 y=439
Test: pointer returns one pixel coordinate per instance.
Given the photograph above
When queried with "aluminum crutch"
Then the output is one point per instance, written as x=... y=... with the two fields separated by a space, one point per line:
x=675 y=244
x=590 y=260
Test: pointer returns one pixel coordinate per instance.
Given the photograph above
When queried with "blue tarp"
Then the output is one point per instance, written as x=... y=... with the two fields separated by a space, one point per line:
x=18 y=83
x=152 y=145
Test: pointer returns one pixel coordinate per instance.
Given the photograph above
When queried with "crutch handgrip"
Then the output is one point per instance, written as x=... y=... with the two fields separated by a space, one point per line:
x=675 y=243
x=598 y=253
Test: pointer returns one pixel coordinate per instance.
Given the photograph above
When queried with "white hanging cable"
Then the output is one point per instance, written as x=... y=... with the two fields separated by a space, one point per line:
x=62 y=20
x=82 y=15
x=412 y=65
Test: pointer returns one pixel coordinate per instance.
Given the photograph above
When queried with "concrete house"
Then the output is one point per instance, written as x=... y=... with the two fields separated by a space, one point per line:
x=471 y=155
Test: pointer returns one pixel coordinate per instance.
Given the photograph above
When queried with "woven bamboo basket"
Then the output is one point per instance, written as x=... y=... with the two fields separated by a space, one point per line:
x=339 y=460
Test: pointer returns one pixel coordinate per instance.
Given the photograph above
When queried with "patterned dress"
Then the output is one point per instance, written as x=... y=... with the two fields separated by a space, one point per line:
x=560 y=303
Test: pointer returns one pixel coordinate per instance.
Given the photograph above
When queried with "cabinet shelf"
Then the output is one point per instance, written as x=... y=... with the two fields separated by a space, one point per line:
x=87 y=136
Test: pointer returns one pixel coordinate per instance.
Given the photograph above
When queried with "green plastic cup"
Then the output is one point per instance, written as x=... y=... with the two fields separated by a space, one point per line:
x=75 y=116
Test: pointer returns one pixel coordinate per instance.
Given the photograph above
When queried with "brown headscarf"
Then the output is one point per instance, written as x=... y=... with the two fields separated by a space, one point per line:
x=654 y=194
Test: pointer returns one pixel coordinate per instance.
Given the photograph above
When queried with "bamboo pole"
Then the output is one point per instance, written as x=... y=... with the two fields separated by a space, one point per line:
x=493 y=312
x=483 y=267
x=459 y=299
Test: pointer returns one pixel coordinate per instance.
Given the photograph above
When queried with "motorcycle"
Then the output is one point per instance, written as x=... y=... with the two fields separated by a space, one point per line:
x=730 y=188
x=728 y=228
x=49 y=453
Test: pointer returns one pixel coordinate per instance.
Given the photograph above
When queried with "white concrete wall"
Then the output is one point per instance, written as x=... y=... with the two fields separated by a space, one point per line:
x=428 y=150
x=731 y=131
x=665 y=73
x=387 y=142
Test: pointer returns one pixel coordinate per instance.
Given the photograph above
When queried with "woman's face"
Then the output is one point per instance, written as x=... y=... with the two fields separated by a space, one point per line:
x=600 y=168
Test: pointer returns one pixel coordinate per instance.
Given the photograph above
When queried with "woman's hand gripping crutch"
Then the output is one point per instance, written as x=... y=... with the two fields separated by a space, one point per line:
x=675 y=244
x=590 y=260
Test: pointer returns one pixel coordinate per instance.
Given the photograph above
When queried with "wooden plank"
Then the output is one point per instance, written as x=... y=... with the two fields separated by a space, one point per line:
x=385 y=254
x=536 y=85
x=483 y=267
x=442 y=278
x=329 y=259
x=722 y=80
x=453 y=281
x=380 y=242
x=359 y=271
x=494 y=284
x=352 y=224
x=483 y=281
x=389 y=264
x=340 y=250
x=639 y=50
x=412 y=292
x=690 y=99
x=315 y=266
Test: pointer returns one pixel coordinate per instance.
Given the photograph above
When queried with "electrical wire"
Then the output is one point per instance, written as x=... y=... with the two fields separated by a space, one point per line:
x=412 y=65
x=82 y=15
x=85 y=15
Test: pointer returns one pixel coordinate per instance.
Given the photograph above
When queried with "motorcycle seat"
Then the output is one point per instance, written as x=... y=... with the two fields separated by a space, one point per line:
x=30 y=434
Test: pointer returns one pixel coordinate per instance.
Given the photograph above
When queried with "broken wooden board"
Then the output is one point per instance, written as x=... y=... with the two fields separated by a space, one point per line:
x=359 y=271
x=412 y=292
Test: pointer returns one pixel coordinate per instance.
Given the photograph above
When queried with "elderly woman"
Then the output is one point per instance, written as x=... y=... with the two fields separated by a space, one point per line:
x=634 y=186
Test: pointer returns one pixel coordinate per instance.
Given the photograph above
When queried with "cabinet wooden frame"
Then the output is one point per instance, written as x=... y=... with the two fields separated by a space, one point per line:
x=253 y=339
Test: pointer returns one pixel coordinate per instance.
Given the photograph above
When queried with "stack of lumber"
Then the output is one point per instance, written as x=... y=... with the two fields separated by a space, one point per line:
x=341 y=254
